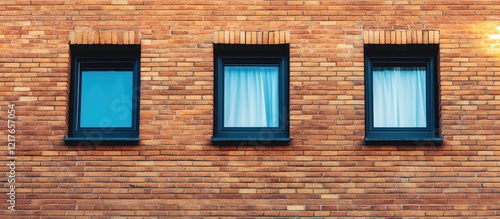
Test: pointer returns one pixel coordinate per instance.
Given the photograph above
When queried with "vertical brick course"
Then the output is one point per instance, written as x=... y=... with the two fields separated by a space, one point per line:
x=104 y=37
x=326 y=170
x=400 y=37
x=251 y=37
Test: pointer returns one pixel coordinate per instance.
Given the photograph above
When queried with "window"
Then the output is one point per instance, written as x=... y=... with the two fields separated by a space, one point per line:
x=401 y=94
x=251 y=94
x=104 y=94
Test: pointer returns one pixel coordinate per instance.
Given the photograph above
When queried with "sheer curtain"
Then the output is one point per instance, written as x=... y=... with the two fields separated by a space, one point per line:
x=399 y=98
x=251 y=96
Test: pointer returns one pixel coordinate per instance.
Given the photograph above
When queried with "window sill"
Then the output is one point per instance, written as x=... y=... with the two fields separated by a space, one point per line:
x=101 y=141
x=427 y=141
x=250 y=141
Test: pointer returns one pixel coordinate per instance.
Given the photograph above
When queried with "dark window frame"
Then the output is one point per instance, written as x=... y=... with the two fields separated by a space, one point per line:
x=249 y=55
x=400 y=56
x=103 y=57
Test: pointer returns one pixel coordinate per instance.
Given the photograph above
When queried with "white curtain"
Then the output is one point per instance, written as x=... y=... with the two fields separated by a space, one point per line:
x=399 y=97
x=251 y=96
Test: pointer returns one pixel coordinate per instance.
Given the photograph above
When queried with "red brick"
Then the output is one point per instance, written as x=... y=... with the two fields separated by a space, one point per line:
x=326 y=170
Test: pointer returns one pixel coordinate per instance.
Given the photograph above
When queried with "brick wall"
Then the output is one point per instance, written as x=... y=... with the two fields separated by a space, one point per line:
x=325 y=171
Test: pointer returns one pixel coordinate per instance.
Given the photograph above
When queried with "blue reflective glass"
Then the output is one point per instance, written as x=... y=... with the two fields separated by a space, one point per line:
x=106 y=99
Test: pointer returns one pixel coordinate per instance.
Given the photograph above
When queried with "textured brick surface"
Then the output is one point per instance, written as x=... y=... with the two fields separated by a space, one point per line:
x=326 y=170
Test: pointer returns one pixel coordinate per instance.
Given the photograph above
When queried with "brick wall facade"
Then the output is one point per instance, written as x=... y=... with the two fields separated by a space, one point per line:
x=326 y=171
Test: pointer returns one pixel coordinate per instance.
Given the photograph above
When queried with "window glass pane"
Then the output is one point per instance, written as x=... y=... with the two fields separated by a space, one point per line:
x=251 y=96
x=106 y=99
x=399 y=97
